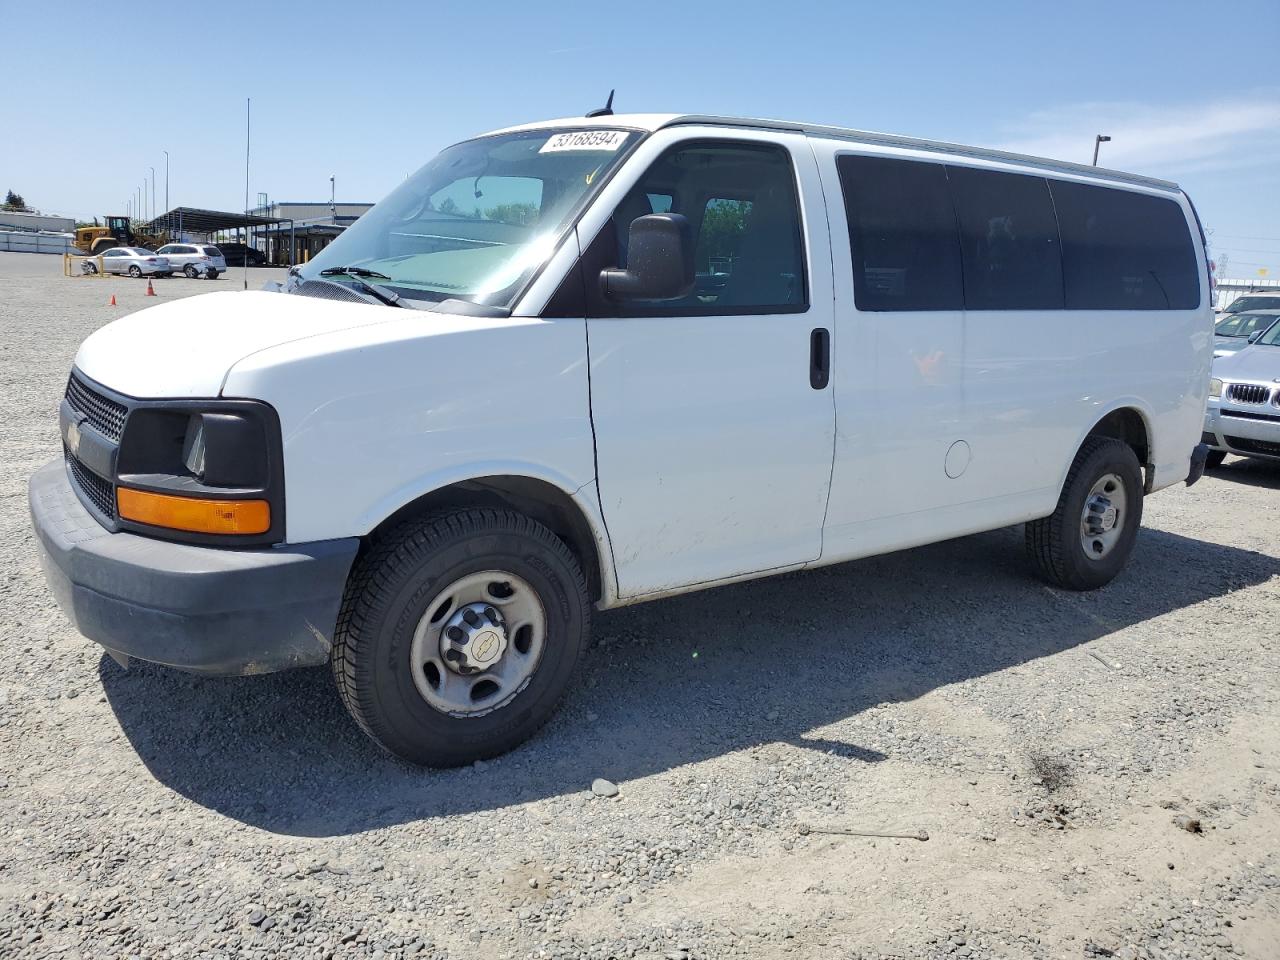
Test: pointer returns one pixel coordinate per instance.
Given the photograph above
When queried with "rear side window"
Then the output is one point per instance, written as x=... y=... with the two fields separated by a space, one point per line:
x=212 y=252
x=1008 y=240
x=902 y=231
x=1124 y=250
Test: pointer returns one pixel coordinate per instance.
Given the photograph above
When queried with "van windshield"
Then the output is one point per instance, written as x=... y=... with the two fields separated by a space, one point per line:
x=478 y=220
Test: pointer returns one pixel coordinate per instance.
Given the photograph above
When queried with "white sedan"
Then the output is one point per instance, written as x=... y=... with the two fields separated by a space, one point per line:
x=135 y=261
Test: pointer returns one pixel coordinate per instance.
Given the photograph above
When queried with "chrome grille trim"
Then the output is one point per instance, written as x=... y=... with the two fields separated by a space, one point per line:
x=1248 y=393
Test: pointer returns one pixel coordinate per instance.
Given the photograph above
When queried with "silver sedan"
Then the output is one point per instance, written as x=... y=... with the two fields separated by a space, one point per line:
x=1243 y=413
x=135 y=261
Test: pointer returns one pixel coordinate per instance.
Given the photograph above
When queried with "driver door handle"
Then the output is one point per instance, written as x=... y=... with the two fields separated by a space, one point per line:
x=819 y=358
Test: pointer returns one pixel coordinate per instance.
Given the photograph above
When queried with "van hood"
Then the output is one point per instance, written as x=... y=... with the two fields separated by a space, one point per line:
x=184 y=348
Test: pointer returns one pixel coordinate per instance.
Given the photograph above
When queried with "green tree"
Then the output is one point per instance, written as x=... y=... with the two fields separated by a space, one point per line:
x=517 y=214
x=14 y=201
x=723 y=225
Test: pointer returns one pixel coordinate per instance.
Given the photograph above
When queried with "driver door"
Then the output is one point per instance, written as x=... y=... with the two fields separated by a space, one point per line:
x=713 y=414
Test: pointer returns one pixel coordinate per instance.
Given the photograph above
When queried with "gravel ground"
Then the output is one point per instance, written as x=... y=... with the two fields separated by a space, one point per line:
x=1050 y=744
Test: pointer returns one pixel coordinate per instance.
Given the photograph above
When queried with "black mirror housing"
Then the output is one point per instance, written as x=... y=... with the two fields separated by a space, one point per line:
x=659 y=261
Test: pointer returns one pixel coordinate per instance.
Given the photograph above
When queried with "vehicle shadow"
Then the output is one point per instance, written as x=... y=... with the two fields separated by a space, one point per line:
x=671 y=682
x=1254 y=473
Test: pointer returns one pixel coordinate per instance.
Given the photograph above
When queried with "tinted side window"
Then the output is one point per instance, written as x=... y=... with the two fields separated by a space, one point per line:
x=1124 y=250
x=1008 y=240
x=740 y=199
x=902 y=231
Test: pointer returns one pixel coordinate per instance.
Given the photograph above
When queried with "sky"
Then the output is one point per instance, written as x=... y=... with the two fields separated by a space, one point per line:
x=368 y=92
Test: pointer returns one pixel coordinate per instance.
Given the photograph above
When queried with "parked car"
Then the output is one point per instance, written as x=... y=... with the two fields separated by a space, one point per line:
x=195 y=259
x=1233 y=331
x=135 y=261
x=235 y=254
x=1242 y=415
x=1257 y=300
x=433 y=505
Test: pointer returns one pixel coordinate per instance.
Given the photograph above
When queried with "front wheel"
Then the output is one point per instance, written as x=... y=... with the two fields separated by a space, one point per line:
x=459 y=634
x=1085 y=542
x=1214 y=460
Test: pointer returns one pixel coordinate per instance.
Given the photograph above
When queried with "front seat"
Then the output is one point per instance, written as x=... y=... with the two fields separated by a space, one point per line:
x=767 y=270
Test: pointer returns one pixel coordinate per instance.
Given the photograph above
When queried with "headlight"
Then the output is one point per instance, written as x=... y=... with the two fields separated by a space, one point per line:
x=1215 y=388
x=208 y=471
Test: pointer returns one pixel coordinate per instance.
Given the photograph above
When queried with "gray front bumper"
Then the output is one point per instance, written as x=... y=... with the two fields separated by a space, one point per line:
x=202 y=609
x=1252 y=431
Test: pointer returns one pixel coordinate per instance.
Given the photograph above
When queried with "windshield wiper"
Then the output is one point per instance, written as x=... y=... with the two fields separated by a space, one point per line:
x=353 y=272
x=375 y=290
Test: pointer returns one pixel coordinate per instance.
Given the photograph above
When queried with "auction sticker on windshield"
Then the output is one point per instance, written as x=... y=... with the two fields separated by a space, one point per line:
x=608 y=140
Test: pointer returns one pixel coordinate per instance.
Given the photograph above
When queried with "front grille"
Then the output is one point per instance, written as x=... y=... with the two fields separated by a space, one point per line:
x=1248 y=393
x=93 y=486
x=104 y=415
x=1245 y=445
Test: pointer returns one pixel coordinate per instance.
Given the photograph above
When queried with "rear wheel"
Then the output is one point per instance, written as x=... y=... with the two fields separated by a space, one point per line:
x=212 y=274
x=459 y=634
x=135 y=271
x=1214 y=460
x=1085 y=542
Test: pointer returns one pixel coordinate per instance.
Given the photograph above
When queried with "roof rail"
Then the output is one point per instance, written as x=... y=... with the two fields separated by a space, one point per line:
x=933 y=146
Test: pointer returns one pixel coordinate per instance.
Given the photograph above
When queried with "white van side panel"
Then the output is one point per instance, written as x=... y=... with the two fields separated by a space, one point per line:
x=374 y=419
x=1021 y=389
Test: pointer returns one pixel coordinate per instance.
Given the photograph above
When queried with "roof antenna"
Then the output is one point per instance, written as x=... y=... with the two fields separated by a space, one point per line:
x=606 y=110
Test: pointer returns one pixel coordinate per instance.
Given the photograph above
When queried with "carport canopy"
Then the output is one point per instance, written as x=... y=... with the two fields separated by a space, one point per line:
x=194 y=220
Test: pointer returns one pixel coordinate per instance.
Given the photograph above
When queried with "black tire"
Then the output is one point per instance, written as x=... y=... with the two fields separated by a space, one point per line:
x=387 y=595
x=1214 y=460
x=135 y=271
x=190 y=272
x=212 y=275
x=1054 y=544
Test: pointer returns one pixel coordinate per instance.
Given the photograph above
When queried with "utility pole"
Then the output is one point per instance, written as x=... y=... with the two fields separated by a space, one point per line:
x=247 y=102
x=153 y=193
x=333 y=207
x=166 y=181
x=1098 y=141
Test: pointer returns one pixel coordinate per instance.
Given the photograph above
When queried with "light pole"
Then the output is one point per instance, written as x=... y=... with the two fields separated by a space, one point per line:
x=153 y=193
x=333 y=207
x=166 y=181
x=1098 y=141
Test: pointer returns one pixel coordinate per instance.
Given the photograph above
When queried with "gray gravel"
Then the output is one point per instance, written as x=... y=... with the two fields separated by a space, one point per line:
x=1048 y=743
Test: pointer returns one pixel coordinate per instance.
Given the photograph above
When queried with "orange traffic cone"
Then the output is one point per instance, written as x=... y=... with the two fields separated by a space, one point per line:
x=151 y=291
x=113 y=300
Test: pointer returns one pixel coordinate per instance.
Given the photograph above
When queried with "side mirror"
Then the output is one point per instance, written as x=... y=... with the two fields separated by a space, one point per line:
x=1256 y=335
x=659 y=261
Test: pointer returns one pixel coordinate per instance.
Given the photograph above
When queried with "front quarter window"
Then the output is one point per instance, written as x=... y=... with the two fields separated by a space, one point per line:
x=477 y=221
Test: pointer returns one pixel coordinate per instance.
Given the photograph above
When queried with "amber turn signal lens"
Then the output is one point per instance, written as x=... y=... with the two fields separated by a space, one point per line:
x=195 y=514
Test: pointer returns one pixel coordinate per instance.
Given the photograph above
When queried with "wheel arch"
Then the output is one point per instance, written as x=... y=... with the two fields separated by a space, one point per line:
x=568 y=515
x=1129 y=423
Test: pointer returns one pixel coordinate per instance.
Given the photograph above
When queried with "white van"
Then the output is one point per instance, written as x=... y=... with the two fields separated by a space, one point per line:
x=595 y=361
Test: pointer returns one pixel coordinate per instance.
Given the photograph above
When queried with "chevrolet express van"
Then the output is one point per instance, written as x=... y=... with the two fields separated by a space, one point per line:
x=596 y=361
